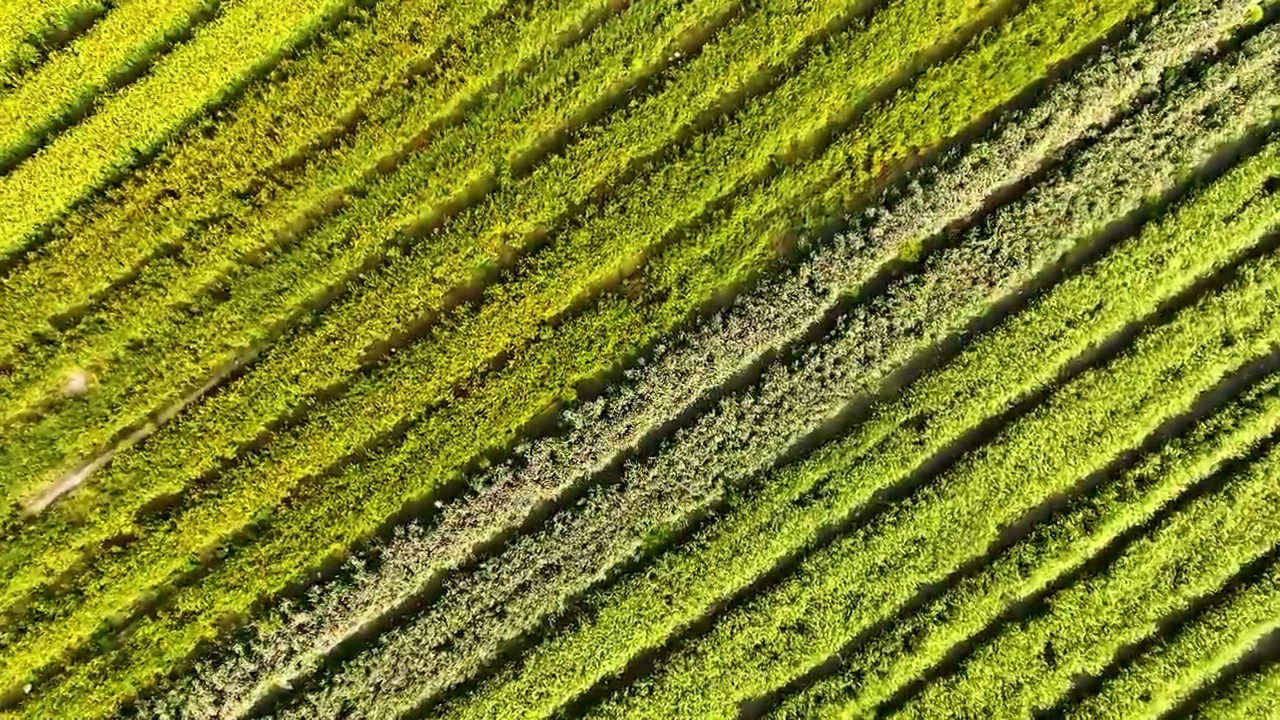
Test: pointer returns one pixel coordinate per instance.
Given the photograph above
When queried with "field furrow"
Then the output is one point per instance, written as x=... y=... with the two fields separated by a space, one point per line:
x=657 y=390
x=27 y=27
x=1250 y=697
x=422 y=283
x=107 y=258
x=113 y=50
x=1164 y=674
x=332 y=431
x=879 y=669
x=639 y=359
x=734 y=549
x=54 y=438
x=842 y=588
x=1197 y=551
x=246 y=39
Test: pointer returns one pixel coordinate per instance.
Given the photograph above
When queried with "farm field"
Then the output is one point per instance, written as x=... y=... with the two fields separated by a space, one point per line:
x=639 y=359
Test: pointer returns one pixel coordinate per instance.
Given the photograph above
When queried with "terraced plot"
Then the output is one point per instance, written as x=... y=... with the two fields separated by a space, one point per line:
x=639 y=358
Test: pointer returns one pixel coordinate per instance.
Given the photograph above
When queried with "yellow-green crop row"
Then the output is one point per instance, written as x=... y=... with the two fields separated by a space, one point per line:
x=173 y=454
x=745 y=433
x=64 y=84
x=206 y=172
x=1154 y=683
x=424 y=374
x=454 y=256
x=25 y=23
x=1249 y=697
x=840 y=589
x=247 y=38
x=1029 y=666
x=553 y=280
x=883 y=666
x=697 y=359
x=306 y=525
x=1020 y=355
x=220 y=193
x=182 y=354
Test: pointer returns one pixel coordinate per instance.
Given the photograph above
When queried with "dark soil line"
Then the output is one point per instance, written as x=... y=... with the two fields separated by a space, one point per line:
x=387 y=620
x=1265 y=654
x=233 y=369
x=139 y=159
x=1166 y=630
x=1032 y=606
x=459 y=297
x=527 y=524
x=539 y=516
x=1019 y=529
x=114 y=631
x=468 y=294
x=51 y=39
x=346 y=127
x=425 y=599
x=120 y=78
x=1084 y=254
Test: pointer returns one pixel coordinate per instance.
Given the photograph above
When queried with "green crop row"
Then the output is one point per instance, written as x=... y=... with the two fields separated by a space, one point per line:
x=701 y=358
x=50 y=442
x=451 y=257
x=127 y=36
x=885 y=664
x=327 y=515
x=246 y=39
x=1152 y=684
x=1028 y=666
x=460 y=344
x=859 y=579
x=148 y=463
x=374 y=403
x=480 y=609
x=1025 y=353
x=1250 y=697
x=26 y=24
x=209 y=170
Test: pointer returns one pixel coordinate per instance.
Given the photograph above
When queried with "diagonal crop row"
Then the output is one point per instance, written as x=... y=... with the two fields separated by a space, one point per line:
x=1198 y=550
x=246 y=39
x=44 y=440
x=1250 y=697
x=66 y=82
x=574 y=552
x=418 y=282
x=209 y=169
x=470 y=338
x=376 y=402
x=348 y=505
x=699 y=359
x=880 y=667
x=844 y=587
x=26 y=27
x=1051 y=334
x=1153 y=683
x=587 y=540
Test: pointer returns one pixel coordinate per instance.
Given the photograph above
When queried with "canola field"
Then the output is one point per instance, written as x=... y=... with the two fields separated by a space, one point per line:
x=636 y=359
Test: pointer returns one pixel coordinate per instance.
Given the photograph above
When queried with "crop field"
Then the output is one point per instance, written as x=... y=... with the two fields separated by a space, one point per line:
x=742 y=359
